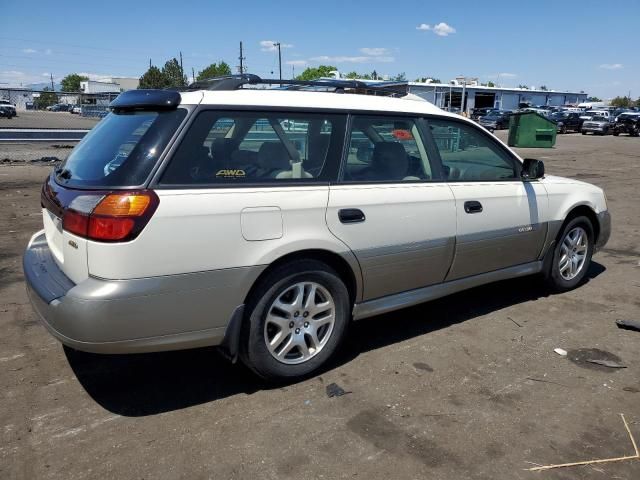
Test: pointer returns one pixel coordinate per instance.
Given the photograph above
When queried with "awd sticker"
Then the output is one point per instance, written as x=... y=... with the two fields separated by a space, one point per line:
x=527 y=228
x=231 y=173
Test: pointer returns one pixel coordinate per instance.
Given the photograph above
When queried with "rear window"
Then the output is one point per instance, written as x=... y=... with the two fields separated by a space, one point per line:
x=121 y=150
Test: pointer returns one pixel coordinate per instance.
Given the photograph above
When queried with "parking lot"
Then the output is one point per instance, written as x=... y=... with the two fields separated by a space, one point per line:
x=44 y=119
x=466 y=387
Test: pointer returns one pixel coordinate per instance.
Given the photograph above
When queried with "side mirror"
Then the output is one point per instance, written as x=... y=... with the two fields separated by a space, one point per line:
x=532 y=169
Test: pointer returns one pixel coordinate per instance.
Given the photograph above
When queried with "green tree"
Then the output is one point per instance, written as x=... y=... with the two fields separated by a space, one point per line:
x=360 y=76
x=314 y=73
x=214 y=70
x=543 y=88
x=593 y=99
x=490 y=84
x=401 y=77
x=152 y=78
x=424 y=79
x=47 y=98
x=173 y=74
x=621 y=102
x=71 y=83
x=523 y=86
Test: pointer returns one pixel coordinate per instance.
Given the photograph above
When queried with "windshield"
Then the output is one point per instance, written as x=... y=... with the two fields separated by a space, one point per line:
x=559 y=115
x=598 y=118
x=121 y=150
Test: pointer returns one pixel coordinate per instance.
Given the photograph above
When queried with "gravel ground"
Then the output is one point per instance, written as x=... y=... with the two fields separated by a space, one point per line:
x=466 y=387
x=44 y=119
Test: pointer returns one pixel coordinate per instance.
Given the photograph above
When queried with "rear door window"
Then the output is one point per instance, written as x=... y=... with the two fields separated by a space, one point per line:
x=386 y=149
x=121 y=150
x=250 y=147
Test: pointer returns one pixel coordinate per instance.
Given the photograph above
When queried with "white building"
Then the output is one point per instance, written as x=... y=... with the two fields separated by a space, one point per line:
x=449 y=95
x=95 y=86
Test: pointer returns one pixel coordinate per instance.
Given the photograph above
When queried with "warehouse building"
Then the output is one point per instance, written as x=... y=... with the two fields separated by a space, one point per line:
x=449 y=96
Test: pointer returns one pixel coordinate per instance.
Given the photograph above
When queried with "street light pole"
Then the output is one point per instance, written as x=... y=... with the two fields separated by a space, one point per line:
x=277 y=44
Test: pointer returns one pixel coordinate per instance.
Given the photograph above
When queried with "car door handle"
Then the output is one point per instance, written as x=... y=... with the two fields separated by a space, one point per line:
x=351 y=215
x=472 y=206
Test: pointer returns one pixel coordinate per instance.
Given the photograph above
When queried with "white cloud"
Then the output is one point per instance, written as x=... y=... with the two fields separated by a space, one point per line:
x=441 y=29
x=375 y=52
x=297 y=63
x=507 y=75
x=269 y=46
x=48 y=51
x=354 y=59
x=611 y=66
x=29 y=50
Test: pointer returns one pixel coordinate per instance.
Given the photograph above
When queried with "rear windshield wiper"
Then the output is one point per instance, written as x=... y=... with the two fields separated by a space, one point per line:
x=63 y=173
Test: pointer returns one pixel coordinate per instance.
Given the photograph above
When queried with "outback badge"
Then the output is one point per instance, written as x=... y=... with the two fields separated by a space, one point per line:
x=73 y=244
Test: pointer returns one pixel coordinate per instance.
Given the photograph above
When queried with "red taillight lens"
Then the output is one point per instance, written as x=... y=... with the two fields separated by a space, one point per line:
x=116 y=217
x=76 y=222
x=109 y=228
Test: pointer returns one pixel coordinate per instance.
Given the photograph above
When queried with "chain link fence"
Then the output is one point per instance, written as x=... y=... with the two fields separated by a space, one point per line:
x=44 y=109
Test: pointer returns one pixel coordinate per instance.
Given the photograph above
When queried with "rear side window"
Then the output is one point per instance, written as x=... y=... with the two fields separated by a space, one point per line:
x=121 y=150
x=469 y=154
x=386 y=149
x=256 y=147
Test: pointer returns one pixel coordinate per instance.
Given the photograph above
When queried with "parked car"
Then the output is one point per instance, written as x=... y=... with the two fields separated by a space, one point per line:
x=627 y=123
x=476 y=113
x=6 y=112
x=179 y=224
x=496 y=120
x=60 y=107
x=10 y=108
x=567 y=121
x=598 y=125
x=77 y=109
x=589 y=114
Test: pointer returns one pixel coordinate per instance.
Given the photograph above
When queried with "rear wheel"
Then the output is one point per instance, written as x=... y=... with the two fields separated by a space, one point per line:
x=584 y=133
x=563 y=129
x=296 y=320
x=571 y=255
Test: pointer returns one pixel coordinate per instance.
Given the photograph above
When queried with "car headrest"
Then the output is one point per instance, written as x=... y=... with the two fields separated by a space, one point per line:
x=390 y=161
x=273 y=156
x=221 y=148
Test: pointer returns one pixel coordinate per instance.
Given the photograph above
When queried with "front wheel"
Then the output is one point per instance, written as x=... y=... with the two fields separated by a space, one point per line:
x=295 y=320
x=571 y=255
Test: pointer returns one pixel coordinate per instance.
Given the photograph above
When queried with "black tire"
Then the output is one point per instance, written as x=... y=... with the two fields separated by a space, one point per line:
x=584 y=133
x=615 y=133
x=253 y=349
x=563 y=129
x=552 y=275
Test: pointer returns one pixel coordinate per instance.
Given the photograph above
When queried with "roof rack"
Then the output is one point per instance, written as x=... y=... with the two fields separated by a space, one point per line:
x=236 y=82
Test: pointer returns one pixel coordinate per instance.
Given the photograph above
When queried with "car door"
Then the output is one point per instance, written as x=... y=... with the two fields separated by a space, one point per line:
x=501 y=220
x=391 y=208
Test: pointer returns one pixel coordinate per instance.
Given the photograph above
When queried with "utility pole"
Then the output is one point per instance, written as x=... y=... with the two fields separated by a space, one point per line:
x=293 y=72
x=52 y=88
x=181 y=69
x=149 y=63
x=277 y=44
x=242 y=59
x=193 y=75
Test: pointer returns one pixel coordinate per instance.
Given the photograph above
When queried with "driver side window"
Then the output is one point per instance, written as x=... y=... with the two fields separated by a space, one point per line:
x=469 y=154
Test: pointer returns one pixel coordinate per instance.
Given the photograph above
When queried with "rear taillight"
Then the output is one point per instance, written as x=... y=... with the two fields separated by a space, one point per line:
x=114 y=217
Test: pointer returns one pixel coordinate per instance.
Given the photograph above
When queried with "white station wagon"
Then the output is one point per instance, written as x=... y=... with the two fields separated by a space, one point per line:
x=265 y=220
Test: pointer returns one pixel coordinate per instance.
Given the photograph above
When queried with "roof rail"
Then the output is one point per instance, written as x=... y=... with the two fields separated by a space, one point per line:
x=236 y=82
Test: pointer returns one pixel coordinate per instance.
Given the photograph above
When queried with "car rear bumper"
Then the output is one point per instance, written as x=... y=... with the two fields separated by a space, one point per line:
x=138 y=315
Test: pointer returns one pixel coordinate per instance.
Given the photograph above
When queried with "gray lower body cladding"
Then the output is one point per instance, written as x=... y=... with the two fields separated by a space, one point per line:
x=397 y=268
x=146 y=314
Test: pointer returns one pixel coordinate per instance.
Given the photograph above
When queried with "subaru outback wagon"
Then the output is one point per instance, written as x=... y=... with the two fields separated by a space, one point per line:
x=265 y=220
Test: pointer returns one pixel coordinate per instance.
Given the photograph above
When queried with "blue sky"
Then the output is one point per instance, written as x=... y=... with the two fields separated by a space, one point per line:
x=565 y=45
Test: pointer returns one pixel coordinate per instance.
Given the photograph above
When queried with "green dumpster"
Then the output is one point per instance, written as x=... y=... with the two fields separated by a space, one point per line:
x=530 y=129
